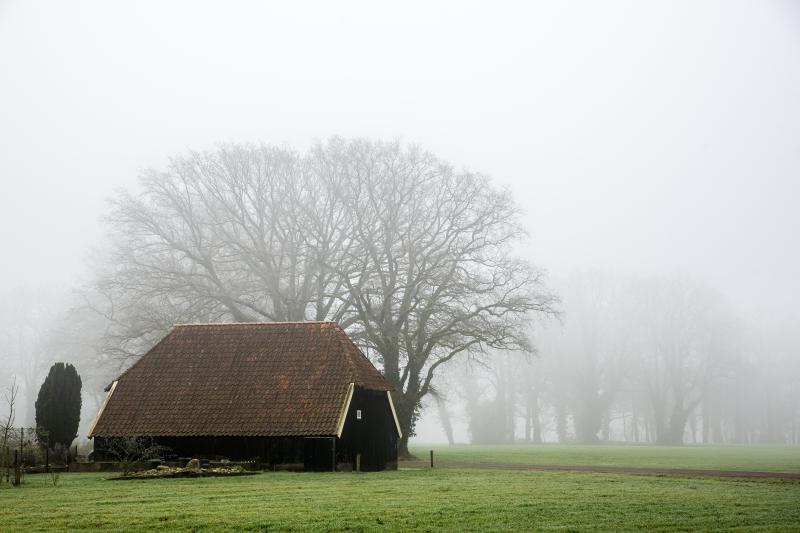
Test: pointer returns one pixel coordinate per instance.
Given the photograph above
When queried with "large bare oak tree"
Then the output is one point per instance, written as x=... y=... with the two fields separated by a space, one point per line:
x=414 y=259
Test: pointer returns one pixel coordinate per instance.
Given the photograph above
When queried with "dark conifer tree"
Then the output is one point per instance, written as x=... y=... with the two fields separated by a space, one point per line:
x=58 y=406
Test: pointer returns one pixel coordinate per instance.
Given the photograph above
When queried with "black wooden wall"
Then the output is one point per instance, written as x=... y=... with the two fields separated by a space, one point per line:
x=374 y=435
x=269 y=450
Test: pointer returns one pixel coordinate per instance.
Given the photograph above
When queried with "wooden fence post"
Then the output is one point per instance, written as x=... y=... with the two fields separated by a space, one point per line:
x=431 y=458
x=17 y=472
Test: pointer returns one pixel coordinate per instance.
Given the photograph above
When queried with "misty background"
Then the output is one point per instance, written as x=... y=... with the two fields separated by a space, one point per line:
x=640 y=139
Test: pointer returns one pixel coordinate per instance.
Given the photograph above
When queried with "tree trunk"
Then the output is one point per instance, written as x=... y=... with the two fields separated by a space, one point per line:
x=717 y=434
x=444 y=417
x=528 y=421
x=672 y=434
x=510 y=398
x=588 y=420
x=406 y=414
x=561 y=422
x=535 y=421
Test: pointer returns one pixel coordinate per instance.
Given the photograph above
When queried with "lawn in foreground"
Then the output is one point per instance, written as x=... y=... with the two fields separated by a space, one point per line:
x=407 y=500
x=767 y=458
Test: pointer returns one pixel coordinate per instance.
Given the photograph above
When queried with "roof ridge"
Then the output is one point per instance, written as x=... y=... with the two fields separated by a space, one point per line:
x=269 y=323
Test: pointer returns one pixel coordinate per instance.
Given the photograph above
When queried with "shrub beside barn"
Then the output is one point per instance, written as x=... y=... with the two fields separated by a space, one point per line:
x=281 y=392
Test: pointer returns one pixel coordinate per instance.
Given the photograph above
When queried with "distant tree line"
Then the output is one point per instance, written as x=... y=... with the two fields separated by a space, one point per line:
x=656 y=360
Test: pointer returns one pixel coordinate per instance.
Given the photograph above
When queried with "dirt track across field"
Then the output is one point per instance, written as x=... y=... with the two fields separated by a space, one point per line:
x=605 y=469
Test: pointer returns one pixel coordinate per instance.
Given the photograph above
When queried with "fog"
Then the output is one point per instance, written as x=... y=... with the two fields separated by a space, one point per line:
x=644 y=142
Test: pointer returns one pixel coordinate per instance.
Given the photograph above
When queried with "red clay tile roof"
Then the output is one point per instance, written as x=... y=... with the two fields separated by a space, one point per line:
x=256 y=379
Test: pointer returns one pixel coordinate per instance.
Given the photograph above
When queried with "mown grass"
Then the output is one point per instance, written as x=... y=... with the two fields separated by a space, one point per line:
x=766 y=458
x=406 y=500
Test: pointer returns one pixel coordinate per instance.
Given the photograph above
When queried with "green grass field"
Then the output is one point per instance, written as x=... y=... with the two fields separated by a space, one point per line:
x=425 y=500
x=766 y=458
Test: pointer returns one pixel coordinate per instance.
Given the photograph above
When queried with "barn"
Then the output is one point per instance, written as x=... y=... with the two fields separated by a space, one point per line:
x=283 y=393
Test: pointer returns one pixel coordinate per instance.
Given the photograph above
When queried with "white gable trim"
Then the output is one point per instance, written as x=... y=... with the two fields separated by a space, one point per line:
x=102 y=408
x=345 y=408
x=394 y=414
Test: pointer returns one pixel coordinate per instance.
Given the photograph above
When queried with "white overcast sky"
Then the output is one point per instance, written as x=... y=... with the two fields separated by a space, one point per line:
x=648 y=137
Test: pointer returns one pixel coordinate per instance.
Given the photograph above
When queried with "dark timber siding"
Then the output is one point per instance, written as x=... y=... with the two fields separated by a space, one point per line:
x=319 y=454
x=374 y=436
x=267 y=450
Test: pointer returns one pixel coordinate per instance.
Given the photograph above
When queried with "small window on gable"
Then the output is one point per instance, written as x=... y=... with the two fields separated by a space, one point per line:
x=358 y=414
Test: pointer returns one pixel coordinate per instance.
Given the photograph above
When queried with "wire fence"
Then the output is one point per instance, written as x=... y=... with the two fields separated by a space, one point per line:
x=25 y=447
